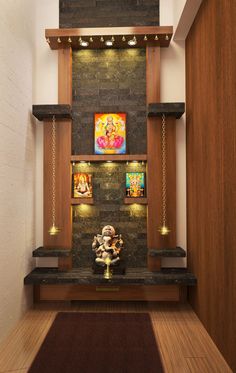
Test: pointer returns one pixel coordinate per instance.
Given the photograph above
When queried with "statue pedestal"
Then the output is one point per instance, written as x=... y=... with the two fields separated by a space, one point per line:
x=118 y=269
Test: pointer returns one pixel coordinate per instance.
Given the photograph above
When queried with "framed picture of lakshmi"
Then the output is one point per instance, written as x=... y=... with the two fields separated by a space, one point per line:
x=135 y=184
x=82 y=185
x=110 y=133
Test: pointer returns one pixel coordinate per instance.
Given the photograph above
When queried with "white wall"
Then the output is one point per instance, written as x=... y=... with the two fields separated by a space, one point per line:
x=28 y=74
x=17 y=158
x=45 y=92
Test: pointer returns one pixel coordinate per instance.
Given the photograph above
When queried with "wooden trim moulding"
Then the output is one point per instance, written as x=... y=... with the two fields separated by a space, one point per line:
x=109 y=157
x=79 y=201
x=69 y=37
x=139 y=200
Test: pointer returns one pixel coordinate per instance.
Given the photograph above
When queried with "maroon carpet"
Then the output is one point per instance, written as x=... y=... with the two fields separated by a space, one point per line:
x=99 y=343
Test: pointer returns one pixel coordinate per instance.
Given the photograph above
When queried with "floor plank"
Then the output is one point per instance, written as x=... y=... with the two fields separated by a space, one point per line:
x=185 y=346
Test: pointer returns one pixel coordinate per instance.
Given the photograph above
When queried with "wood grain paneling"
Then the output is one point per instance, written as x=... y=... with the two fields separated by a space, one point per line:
x=154 y=168
x=211 y=176
x=111 y=292
x=174 y=327
x=63 y=171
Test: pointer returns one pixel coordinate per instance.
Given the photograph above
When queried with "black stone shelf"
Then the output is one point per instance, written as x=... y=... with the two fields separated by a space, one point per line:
x=45 y=112
x=170 y=109
x=42 y=252
x=133 y=276
x=177 y=252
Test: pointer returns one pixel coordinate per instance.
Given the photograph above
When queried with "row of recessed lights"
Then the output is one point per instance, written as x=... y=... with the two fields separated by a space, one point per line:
x=88 y=163
x=108 y=42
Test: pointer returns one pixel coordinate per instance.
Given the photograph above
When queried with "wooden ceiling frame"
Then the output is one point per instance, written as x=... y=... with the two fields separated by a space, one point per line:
x=159 y=36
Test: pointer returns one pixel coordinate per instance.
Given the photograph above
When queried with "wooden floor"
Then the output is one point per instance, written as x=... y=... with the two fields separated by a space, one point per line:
x=184 y=344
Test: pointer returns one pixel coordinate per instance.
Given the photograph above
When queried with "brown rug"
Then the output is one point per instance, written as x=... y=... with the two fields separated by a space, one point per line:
x=99 y=343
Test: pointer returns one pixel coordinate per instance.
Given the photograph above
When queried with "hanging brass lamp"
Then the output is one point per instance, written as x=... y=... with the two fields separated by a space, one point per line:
x=54 y=230
x=163 y=229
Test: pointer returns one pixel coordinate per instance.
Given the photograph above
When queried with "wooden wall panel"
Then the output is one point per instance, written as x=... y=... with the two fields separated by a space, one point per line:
x=211 y=176
x=154 y=169
x=63 y=170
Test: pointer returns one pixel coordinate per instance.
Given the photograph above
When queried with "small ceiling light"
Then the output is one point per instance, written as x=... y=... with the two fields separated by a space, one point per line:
x=109 y=161
x=167 y=37
x=112 y=39
x=58 y=40
x=91 y=39
x=69 y=40
x=48 y=40
x=156 y=37
x=142 y=163
x=73 y=164
x=134 y=161
x=89 y=164
x=109 y=43
x=123 y=38
x=145 y=38
x=84 y=43
x=82 y=161
x=132 y=42
x=127 y=163
x=102 y=39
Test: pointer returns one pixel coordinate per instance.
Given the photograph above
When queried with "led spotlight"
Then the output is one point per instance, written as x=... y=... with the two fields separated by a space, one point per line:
x=145 y=38
x=109 y=43
x=156 y=37
x=123 y=38
x=91 y=39
x=102 y=39
x=132 y=42
x=84 y=43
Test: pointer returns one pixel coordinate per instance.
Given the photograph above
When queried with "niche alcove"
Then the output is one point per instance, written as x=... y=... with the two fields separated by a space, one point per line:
x=98 y=79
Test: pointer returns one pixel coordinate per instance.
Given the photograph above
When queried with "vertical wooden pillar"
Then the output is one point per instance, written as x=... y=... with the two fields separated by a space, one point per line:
x=154 y=165
x=63 y=171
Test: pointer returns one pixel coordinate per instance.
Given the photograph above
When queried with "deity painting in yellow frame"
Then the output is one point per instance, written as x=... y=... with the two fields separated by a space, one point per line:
x=110 y=133
x=82 y=185
x=135 y=184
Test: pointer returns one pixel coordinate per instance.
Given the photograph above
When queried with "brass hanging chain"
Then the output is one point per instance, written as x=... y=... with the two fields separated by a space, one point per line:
x=163 y=229
x=163 y=159
x=53 y=170
x=53 y=230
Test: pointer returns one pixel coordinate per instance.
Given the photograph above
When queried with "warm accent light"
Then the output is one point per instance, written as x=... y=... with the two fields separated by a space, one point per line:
x=164 y=230
x=84 y=43
x=145 y=38
x=132 y=42
x=102 y=39
x=156 y=37
x=109 y=43
x=167 y=37
x=58 y=40
x=48 y=40
x=91 y=39
x=112 y=39
x=69 y=40
x=123 y=38
x=53 y=230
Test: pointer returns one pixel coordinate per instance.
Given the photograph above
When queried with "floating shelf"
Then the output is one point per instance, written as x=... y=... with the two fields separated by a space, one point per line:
x=109 y=157
x=139 y=200
x=159 y=36
x=41 y=252
x=43 y=112
x=177 y=252
x=79 y=201
x=170 y=109
x=133 y=276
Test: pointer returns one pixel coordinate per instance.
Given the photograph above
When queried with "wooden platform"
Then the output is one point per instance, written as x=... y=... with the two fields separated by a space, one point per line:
x=136 y=284
x=185 y=346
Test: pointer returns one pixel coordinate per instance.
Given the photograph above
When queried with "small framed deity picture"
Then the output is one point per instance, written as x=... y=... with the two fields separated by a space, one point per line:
x=135 y=184
x=110 y=133
x=82 y=185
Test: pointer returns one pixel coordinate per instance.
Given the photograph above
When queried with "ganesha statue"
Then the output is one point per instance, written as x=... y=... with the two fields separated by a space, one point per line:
x=107 y=246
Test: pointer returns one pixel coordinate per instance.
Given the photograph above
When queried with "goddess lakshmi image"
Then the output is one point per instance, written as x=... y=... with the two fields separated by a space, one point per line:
x=110 y=133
